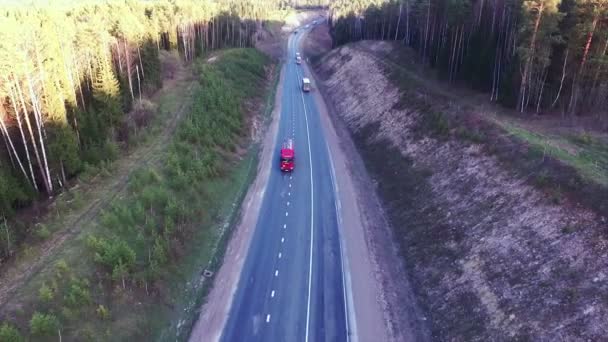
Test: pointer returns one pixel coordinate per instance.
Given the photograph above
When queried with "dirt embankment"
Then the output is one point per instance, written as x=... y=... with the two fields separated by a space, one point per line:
x=489 y=256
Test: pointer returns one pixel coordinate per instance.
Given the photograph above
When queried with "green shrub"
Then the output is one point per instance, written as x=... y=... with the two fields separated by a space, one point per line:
x=584 y=138
x=556 y=195
x=61 y=268
x=109 y=151
x=542 y=178
x=13 y=191
x=115 y=254
x=42 y=232
x=68 y=314
x=473 y=135
x=8 y=333
x=103 y=312
x=77 y=294
x=46 y=293
x=434 y=123
x=44 y=325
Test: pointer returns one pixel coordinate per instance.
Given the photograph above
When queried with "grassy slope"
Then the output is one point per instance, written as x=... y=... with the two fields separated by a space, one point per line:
x=131 y=312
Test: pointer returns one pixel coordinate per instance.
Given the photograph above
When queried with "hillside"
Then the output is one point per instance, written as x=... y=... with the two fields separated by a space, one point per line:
x=501 y=222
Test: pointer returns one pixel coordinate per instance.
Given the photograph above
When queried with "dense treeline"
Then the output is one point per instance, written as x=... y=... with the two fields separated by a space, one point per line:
x=533 y=55
x=69 y=73
x=308 y=3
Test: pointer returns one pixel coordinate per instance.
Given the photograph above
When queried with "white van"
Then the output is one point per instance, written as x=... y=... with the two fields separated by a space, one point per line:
x=305 y=84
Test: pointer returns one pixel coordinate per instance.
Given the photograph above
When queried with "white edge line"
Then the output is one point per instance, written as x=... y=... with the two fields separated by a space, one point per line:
x=351 y=323
x=312 y=209
x=351 y=328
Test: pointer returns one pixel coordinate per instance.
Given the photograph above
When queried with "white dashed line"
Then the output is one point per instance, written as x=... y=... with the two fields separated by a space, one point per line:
x=272 y=294
x=288 y=203
x=276 y=273
x=282 y=240
x=289 y=194
x=290 y=185
x=268 y=318
x=285 y=226
x=280 y=255
x=286 y=213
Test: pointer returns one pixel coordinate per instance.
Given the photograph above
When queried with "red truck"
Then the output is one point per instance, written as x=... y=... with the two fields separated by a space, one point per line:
x=287 y=156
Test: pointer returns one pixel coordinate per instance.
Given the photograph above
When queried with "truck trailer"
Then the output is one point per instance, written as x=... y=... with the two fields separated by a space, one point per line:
x=287 y=161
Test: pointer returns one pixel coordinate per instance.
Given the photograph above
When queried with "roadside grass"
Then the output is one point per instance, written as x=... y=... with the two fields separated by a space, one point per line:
x=123 y=272
x=191 y=291
x=561 y=163
x=589 y=156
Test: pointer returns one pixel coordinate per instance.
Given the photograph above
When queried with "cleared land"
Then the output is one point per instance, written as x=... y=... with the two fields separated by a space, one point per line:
x=500 y=227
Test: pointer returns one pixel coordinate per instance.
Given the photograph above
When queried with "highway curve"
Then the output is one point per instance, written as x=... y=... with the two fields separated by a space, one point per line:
x=292 y=287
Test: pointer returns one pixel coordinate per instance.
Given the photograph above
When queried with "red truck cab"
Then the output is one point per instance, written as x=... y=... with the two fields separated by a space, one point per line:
x=287 y=156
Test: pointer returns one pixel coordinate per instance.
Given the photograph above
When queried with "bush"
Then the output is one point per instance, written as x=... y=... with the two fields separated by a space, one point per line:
x=9 y=333
x=13 y=191
x=62 y=268
x=46 y=293
x=63 y=146
x=473 y=135
x=88 y=172
x=68 y=314
x=42 y=232
x=77 y=294
x=436 y=123
x=103 y=312
x=44 y=325
x=115 y=254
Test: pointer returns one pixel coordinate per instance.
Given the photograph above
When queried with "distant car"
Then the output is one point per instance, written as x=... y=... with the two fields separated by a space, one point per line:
x=295 y=31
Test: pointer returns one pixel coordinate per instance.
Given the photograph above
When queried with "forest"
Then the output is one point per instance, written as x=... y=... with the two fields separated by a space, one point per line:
x=75 y=76
x=71 y=70
x=537 y=56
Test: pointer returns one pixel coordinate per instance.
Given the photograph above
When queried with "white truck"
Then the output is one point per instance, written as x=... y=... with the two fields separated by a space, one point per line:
x=305 y=84
x=298 y=58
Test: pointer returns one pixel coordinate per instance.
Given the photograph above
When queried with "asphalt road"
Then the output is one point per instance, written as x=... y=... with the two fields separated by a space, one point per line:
x=292 y=286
